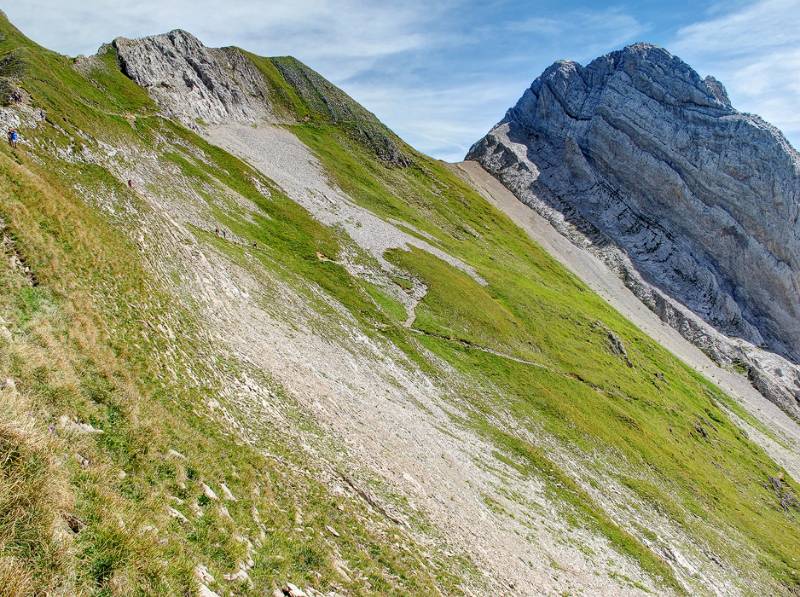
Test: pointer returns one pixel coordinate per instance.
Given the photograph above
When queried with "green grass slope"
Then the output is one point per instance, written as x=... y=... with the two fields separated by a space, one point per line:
x=83 y=344
x=660 y=426
x=82 y=341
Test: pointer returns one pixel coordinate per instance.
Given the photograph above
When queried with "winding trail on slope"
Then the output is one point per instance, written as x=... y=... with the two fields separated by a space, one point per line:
x=604 y=282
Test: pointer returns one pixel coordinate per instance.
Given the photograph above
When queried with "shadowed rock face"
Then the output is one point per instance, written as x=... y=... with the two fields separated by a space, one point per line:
x=637 y=151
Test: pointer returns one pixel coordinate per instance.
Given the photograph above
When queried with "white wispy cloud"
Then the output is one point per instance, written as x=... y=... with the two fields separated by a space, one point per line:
x=592 y=30
x=332 y=31
x=755 y=51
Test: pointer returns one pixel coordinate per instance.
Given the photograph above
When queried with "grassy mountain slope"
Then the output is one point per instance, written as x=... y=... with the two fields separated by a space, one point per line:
x=84 y=342
x=109 y=432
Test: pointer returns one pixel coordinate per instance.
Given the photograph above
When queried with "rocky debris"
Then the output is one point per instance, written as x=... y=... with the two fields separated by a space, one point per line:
x=208 y=492
x=614 y=343
x=204 y=591
x=240 y=575
x=176 y=454
x=191 y=82
x=227 y=493
x=692 y=203
x=202 y=574
x=289 y=590
x=701 y=431
x=176 y=514
x=783 y=491
x=618 y=348
x=242 y=569
x=74 y=523
x=342 y=569
x=12 y=68
x=74 y=426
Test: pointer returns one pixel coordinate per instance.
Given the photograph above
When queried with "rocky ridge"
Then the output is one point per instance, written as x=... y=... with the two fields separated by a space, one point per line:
x=221 y=84
x=693 y=204
x=199 y=86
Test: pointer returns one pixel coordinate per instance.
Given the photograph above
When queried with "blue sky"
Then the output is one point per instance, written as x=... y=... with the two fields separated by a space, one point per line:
x=442 y=73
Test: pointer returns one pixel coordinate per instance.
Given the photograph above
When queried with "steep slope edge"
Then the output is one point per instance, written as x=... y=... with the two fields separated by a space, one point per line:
x=693 y=204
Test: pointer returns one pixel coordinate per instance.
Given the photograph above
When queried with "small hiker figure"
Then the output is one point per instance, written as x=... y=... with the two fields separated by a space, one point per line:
x=130 y=183
x=216 y=230
x=13 y=137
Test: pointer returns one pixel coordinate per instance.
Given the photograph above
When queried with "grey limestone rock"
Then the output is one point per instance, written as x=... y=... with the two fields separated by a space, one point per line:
x=694 y=204
x=191 y=82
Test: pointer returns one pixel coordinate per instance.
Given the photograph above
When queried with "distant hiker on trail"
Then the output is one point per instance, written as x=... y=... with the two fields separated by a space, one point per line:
x=130 y=183
x=13 y=137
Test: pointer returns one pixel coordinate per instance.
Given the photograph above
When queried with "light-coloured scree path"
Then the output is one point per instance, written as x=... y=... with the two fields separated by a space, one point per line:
x=392 y=421
x=604 y=282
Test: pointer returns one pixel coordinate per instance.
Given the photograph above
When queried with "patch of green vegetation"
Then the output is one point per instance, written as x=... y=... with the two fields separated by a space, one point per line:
x=392 y=308
x=88 y=347
x=581 y=394
x=403 y=283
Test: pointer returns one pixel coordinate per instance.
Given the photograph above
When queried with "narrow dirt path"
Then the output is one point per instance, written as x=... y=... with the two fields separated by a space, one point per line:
x=605 y=283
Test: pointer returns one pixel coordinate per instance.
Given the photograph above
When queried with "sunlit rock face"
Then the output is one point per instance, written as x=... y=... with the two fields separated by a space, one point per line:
x=639 y=156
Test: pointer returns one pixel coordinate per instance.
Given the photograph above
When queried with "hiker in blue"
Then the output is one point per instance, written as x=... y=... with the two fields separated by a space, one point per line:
x=13 y=137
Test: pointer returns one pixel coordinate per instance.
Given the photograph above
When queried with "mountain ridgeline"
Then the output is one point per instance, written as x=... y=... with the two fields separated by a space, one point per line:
x=252 y=343
x=200 y=85
x=695 y=205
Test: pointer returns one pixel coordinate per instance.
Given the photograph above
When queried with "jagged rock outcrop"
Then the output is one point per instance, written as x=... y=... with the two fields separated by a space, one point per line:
x=205 y=86
x=694 y=204
x=191 y=82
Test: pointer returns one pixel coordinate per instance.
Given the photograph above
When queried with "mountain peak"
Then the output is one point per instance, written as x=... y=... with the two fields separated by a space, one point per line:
x=701 y=199
x=649 y=69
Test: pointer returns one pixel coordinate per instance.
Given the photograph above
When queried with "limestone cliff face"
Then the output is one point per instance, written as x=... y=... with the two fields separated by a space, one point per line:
x=692 y=201
x=192 y=82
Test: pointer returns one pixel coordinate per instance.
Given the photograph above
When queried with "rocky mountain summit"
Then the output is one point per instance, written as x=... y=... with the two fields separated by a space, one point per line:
x=694 y=204
x=199 y=86
x=193 y=83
